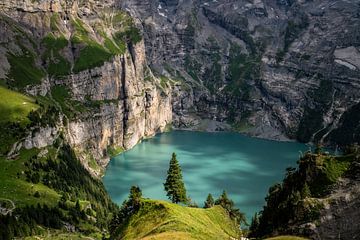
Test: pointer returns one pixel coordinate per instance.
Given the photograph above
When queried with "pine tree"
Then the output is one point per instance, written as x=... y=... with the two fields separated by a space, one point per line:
x=135 y=196
x=174 y=185
x=128 y=208
x=209 y=201
x=77 y=206
x=255 y=222
x=225 y=202
x=228 y=205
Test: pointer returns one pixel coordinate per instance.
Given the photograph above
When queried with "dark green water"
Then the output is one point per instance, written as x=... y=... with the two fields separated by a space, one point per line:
x=245 y=167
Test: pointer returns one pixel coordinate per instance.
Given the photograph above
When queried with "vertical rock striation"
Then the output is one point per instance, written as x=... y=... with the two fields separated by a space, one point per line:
x=116 y=106
x=274 y=69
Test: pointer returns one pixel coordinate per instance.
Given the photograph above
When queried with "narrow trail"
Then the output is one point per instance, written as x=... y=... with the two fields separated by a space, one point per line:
x=331 y=110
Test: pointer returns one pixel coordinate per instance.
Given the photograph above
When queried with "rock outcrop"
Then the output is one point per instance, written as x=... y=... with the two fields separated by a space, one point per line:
x=339 y=217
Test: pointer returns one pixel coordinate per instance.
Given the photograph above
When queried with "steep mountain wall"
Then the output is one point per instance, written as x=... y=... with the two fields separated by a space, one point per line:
x=87 y=59
x=275 y=69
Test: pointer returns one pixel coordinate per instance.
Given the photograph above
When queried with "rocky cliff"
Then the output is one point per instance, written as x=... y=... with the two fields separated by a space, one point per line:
x=275 y=69
x=88 y=59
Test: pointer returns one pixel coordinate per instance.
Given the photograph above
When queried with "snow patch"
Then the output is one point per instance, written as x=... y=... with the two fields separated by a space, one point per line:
x=346 y=64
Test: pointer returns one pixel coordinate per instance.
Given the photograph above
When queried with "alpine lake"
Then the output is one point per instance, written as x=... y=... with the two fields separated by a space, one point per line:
x=211 y=162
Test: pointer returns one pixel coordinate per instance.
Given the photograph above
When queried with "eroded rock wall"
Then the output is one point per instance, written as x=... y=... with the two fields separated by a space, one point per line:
x=275 y=69
x=120 y=106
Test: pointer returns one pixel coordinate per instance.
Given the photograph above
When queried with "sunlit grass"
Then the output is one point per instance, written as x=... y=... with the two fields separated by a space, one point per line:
x=15 y=107
x=164 y=220
x=14 y=187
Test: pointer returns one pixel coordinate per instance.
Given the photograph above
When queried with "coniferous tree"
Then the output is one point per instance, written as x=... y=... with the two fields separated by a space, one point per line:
x=135 y=196
x=224 y=201
x=255 y=222
x=228 y=205
x=77 y=206
x=209 y=201
x=128 y=208
x=174 y=185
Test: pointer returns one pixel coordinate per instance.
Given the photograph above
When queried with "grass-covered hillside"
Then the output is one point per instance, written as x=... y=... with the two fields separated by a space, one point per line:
x=44 y=191
x=164 y=220
x=15 y=107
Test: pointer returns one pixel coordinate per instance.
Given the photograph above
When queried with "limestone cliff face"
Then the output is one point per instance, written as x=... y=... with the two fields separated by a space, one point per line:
x=135 y=108
x=274 y=68
x=122 y=107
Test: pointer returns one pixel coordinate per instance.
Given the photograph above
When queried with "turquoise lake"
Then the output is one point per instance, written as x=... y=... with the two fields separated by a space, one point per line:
x=211 y=162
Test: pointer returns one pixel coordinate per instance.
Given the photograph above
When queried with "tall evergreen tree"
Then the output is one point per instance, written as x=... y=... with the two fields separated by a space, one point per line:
x=135 y=195
x=77 y=206
x=229 y=206
x=209 y=201
x=128 y=208
x=255 y=222
x=225 y=202
x=174 y=185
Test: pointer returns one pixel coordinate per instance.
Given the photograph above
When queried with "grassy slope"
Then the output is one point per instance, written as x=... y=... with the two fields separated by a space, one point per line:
x=14 y=106
x=24 y=70
x=14 y=187
x=164 y=220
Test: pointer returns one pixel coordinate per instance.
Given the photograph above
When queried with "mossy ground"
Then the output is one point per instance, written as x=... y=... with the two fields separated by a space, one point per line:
x=330 y=169
x=92 y=53
x=57 y=65
x=114 y=151
x=23 y=70
x=164 y=220
x=15 y=107
x=69 y=107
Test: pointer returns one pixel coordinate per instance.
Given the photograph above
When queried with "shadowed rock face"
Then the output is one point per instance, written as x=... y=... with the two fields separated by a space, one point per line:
x=287 y=68
x=339 y=218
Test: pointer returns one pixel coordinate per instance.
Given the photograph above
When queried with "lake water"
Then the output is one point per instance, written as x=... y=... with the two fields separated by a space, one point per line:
x=211 y=162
